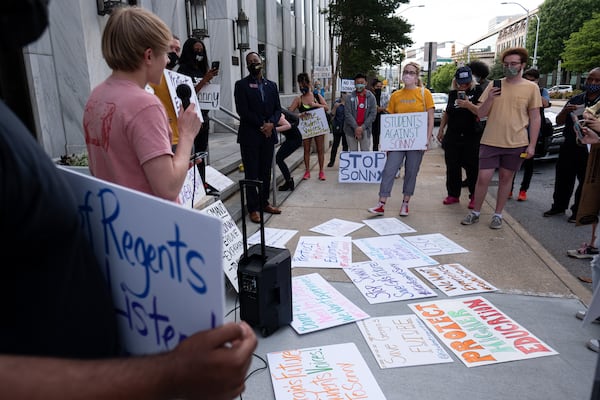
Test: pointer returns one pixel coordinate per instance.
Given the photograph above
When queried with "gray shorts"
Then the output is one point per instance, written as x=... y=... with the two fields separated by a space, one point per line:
x=491 y=157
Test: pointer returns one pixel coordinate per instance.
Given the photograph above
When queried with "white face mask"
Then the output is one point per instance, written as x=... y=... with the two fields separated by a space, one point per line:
x=409 y=79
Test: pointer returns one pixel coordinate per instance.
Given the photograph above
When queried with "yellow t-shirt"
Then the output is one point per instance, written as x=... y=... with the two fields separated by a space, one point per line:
x=410 y=100
x=162 y=92
x=508 y=119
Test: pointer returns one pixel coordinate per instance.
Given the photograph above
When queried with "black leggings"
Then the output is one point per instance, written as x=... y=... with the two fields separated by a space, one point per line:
x=291 y=143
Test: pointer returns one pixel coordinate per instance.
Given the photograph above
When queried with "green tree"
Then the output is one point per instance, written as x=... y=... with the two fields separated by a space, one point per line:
x=558 y=19
x=582 y=49
x=370 y=37
x=441 y=78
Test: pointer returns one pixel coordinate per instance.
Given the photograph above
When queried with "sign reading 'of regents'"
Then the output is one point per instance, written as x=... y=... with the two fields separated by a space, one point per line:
x=161 y=260
x=361 y=166
x=313 y=123
x=407 y=131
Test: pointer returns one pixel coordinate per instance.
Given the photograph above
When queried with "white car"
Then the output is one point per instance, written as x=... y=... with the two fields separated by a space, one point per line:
x=560 y=89
x=440 y=100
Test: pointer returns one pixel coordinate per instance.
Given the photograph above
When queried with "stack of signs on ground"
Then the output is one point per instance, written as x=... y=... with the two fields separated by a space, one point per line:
x=402 y=341
x=478 y=332
x=323 y=252
x=325 y=372
x=318 y=305
x=233 y=245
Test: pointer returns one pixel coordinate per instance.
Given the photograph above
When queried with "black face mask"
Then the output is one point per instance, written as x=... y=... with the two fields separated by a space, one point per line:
x=173 y=59
x=377 y=92
x=22 y=22
x=255 y=69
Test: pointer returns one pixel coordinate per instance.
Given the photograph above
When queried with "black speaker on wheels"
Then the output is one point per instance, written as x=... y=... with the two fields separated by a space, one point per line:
x=264 y=278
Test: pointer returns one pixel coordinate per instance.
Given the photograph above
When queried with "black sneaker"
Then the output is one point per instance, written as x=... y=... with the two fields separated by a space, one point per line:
x=553 y=211
x=572 y=219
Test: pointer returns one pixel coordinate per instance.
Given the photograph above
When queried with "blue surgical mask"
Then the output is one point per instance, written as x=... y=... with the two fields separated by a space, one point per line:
x=591 y=88
x=360 y=87
x=304 y=90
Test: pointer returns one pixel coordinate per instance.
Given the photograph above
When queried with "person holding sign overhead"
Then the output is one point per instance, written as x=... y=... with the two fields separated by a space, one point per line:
x=307 y=101
x=59 y=330
x=126 y=128
x=412 y=98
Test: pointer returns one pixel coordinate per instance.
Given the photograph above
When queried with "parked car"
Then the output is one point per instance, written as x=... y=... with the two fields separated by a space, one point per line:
x=560 y=89
x=551 y=145
x=440 y=100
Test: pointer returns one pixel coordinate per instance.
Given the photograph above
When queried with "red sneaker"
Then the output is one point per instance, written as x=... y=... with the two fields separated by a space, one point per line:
x=472 y=203
x=321 y=176
x=451 y=200
x=306 y=175
x=522 y=196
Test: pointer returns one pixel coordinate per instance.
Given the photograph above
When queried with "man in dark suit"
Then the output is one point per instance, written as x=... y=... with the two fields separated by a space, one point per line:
x=257 y=103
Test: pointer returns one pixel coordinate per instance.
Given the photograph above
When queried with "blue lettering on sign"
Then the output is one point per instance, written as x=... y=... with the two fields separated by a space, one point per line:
x=361 y=166
x=173 y=257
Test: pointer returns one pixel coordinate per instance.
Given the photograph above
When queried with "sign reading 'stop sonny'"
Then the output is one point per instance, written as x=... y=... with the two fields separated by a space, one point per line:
x=407 y=131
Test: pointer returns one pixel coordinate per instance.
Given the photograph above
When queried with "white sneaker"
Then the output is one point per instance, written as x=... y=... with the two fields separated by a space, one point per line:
x=404 y=210
x=581 y=315
x=398 y=173
x=593 y=345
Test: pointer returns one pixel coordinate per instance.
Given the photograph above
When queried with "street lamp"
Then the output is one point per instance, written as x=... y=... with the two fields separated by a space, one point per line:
x=197 y=21
x=408 y=8
x=243 y=37
x=537 y=30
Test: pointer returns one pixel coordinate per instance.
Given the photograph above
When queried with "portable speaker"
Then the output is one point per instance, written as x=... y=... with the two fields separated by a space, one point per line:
x=264 y=279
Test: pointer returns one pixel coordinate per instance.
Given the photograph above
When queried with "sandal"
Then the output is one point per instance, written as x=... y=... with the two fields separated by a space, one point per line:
x=585 y=251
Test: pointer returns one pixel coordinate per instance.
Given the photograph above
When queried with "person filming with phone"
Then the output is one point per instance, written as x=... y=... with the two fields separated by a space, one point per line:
x=572 y=157
x=511 y=104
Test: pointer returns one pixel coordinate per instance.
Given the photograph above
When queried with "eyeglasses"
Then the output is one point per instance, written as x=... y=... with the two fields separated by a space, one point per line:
x=512 y=64
x=409 y=72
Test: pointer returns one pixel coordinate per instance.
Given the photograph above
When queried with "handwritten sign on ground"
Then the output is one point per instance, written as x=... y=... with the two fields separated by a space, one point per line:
x=361 y=166
x=233 y=245
x=407 y=131
x=159 y=259
x=478 y=332
x=393 y=248
x=455 y=280
x=337 y=227
x=217 y=180
x=323 y=372
x=209 y=96
x=323 y=252
x=175 y=79
x=192 y=192
x=313 y=123
x=384 y=282
x=273 y=237
x=402 y=341
x=317 y=305
x=388 y=226
x=435 y=244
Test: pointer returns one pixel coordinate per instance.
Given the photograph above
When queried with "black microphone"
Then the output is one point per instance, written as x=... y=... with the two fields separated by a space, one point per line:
x=184 y=93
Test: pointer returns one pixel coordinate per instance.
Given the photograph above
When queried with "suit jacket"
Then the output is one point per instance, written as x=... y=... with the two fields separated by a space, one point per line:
x=350 y=112
x=254 y=111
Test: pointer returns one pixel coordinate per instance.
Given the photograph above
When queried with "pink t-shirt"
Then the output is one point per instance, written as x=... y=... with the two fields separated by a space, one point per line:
x=125 y=126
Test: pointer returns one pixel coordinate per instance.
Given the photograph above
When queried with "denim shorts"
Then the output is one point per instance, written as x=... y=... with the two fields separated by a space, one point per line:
x=491 y=157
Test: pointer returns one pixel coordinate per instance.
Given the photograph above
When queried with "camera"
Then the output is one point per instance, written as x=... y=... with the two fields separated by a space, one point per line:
x=215 y=65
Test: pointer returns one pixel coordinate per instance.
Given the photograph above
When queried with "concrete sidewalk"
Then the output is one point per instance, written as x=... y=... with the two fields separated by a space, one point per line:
x=534 y=290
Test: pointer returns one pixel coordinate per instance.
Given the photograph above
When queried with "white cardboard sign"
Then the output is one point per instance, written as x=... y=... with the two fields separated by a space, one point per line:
x=406 y=131
x=159 y=260
x=313 y=123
